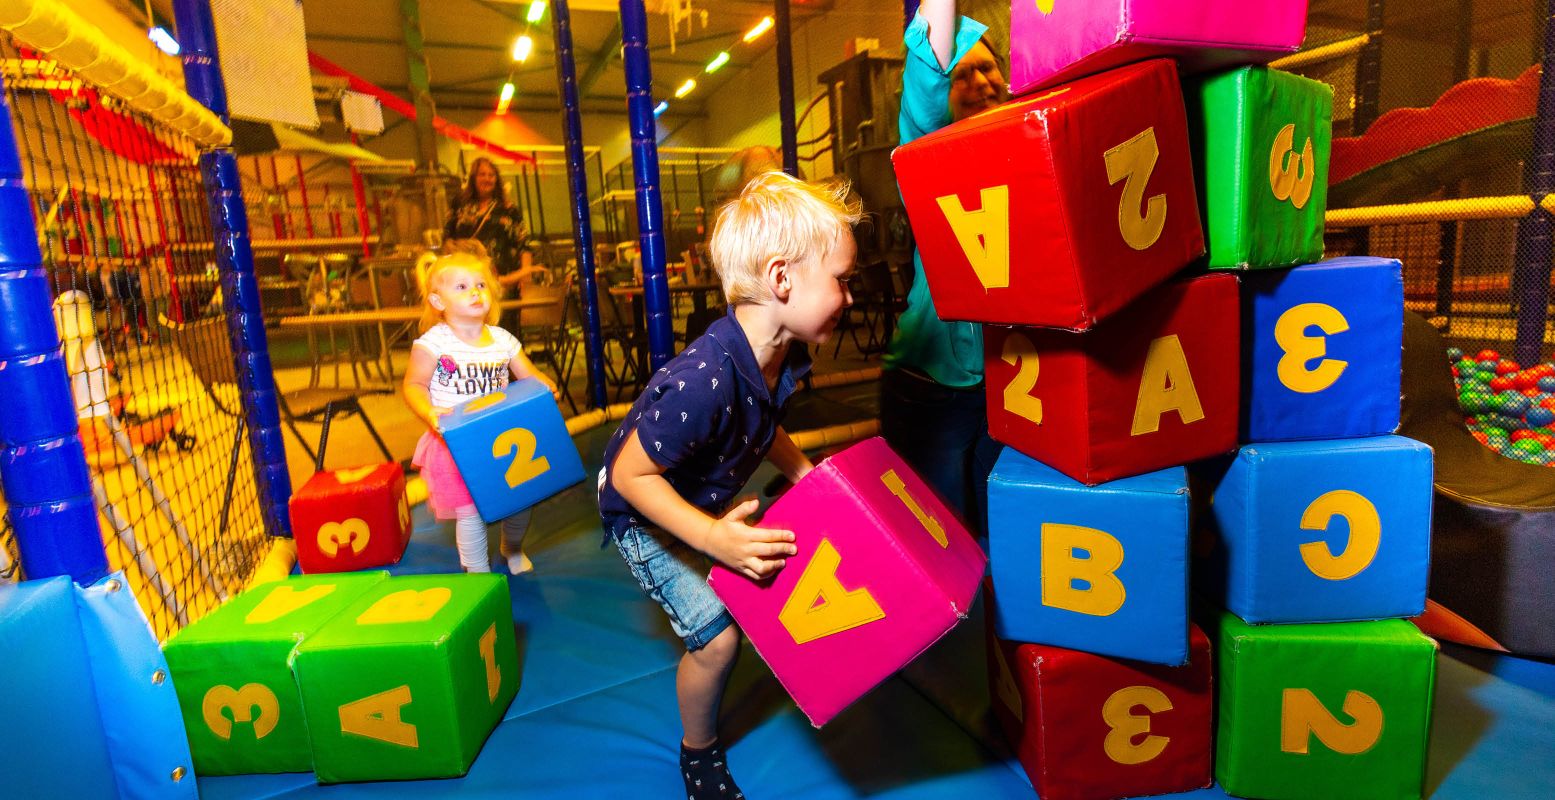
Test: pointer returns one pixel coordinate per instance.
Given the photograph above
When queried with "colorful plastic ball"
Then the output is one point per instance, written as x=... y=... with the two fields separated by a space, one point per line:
x=1506 y=367
x=1480 y=435
x=1486 y=364
x=1520 y=435
x=1546 y=383
x=1487 y=355
x=1501 y=383
x=1511 y=403
x=1527 y=446
x=1531 y=394
x=1495 y=432
x=1455 y=353
x=1538 y=416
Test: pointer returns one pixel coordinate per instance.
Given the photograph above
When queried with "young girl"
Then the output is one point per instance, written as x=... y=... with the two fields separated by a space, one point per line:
x=460 y=355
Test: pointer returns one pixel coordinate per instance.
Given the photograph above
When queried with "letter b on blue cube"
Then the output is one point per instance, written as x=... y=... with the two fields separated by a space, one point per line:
x=1326 y=531
x=1323 y=348
x=512 y=448
x=1097 y=568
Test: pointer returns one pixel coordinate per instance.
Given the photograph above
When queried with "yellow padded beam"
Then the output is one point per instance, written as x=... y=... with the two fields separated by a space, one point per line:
x=52 y=28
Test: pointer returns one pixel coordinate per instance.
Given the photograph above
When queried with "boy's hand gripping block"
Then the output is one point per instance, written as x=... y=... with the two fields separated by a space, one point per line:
x=512 y=448
x=884 y=570
x=350 y=519
x=1057 y=210
x=1052 y=41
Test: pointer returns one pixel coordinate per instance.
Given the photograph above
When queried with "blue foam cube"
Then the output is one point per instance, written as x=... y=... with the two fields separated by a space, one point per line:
x=512 y=448
x=1323 y=348
x=1097 y=568
x=1324 y=531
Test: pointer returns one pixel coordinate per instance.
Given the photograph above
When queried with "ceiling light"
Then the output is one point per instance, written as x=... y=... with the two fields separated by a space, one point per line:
x=536 y=11
x=718 y=61
x=523 y=47
x=662 y=107
x=686 y=88
x=505 y=98
x=164 y=40
x=761 y=27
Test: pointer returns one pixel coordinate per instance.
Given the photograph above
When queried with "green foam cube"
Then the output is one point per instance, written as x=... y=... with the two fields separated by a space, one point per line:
x=410 y=679
x=1325 y=710
x=1263 y=147
x=232 y=673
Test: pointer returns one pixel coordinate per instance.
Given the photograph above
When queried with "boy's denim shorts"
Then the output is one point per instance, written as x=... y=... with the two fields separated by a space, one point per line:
x=675 y=576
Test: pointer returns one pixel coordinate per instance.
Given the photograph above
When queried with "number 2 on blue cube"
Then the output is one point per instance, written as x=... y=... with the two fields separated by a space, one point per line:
x=1324 y=343
x=512 y=448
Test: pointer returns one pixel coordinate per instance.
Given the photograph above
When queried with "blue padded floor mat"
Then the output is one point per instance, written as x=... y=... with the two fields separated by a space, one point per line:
x=595 y=714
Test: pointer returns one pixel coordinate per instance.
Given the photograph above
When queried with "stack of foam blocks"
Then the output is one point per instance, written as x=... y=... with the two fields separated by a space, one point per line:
x=355 y=676
x=1187 y=400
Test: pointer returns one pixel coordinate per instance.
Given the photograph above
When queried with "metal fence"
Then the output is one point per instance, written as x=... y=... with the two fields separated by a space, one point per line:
x=1478 y=58
x=122 y=223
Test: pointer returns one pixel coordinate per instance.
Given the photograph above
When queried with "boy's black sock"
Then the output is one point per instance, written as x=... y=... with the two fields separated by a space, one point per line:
x=707 y=774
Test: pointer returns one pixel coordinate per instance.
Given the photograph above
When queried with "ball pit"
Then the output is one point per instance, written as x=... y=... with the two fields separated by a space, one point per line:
x=1507 y=407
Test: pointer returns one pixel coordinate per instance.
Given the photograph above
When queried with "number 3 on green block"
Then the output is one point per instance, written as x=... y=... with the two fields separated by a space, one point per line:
x=521 y=444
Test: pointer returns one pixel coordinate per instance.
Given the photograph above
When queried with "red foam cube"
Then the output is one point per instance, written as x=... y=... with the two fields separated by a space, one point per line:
x=1154 y=386
x=349 y=519
x=1087 y=727
x=1059 y=209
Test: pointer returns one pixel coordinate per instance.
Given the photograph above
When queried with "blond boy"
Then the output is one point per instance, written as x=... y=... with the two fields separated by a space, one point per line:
x=784 y=250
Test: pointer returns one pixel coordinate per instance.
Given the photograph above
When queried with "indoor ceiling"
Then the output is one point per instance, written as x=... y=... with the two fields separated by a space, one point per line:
x=468 y=45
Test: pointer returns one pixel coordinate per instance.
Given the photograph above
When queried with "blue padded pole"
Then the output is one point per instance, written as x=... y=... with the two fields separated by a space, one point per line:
x=578 y=183
x=1536 y=232
x=785 y=76
x=645 y=168
x=235 y=261
x=42 y=466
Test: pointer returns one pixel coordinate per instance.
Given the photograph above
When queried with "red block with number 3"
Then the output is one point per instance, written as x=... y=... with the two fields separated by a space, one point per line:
x=350 y=519
x=1057 y=210
x=1154 y=386
x=1088 y=727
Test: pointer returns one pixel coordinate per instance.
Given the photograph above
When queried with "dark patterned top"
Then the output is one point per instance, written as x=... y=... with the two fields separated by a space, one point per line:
x=500 y=228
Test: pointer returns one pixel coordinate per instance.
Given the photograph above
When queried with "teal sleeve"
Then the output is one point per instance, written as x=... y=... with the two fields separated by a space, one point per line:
x=925 y=86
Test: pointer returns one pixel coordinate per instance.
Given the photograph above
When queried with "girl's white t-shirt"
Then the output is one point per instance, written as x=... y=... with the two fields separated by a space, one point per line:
x=463 y=371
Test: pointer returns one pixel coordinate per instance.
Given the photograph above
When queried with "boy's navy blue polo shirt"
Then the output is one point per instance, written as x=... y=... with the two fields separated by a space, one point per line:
x=707 y=418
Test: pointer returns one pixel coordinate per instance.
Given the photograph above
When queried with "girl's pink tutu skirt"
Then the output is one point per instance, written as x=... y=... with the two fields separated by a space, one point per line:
x=447 y=496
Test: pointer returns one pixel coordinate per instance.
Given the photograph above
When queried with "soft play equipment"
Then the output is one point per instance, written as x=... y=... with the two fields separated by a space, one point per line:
x=1507 y=407
x=1103 y=569
x=350 y=519
x=233 y=670
x=1151 y=387
x=1061 y=208
x=89 y=711
x=1334 y=710
x=512 y=448
x=1261 y=142
x=1091 y=728
x=409 y=679
x=1494 y=538
x=1052 y=41
x=884 y=570
x=1409 y=153
x=1321 y=350
x=1321 y=531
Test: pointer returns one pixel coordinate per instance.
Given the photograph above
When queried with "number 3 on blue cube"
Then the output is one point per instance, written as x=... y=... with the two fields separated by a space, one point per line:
x=512 y=448
x=1323 y=350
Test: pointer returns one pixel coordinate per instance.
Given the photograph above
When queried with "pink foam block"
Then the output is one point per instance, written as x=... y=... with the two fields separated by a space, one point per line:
x=884 y=570
x=1052 y=41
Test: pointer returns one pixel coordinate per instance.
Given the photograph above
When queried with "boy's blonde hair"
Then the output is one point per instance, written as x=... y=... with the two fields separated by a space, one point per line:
x=458 y=259
x=776 y=216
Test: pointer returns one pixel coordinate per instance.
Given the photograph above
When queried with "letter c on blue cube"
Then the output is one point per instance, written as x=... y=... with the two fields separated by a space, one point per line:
x=1097 y=568
x=1325 y=531
x=512 y=448
x=1323 y=350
